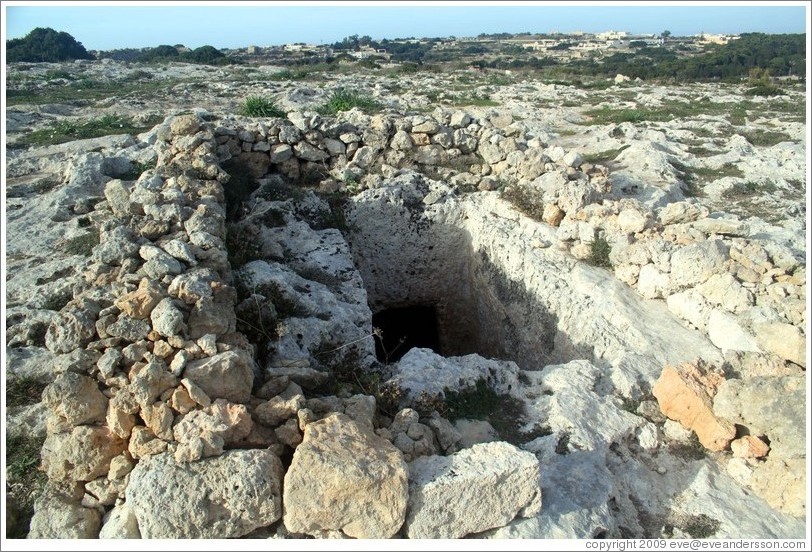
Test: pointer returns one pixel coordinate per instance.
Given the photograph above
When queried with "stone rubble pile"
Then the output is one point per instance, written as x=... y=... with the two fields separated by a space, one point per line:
x=156 y=428
x=167 y=422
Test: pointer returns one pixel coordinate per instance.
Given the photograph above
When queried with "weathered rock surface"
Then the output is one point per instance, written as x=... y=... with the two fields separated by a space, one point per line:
x=344 y=478
x=771 y=406
x=227 y=496
x=479 y=488
x=424 y=371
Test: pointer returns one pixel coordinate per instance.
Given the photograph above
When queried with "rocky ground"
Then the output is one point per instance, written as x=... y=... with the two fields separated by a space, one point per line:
x=616 y=271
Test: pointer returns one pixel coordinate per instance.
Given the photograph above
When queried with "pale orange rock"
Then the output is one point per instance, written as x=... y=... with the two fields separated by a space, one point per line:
x=749 y=446
x=553 y=215
x=685 y=394
x=139 y=303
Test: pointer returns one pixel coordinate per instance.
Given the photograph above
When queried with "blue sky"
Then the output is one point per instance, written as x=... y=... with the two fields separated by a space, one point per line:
x=101 y=27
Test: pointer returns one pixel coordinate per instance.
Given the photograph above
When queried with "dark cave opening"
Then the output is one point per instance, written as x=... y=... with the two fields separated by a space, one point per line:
x=404 y=328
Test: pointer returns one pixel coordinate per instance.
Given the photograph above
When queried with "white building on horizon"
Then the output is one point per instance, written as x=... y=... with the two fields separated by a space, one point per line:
x=612 y=35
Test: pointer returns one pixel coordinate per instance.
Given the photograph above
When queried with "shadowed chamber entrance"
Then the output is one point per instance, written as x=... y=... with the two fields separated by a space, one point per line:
x=427 y=282
x=404 y=328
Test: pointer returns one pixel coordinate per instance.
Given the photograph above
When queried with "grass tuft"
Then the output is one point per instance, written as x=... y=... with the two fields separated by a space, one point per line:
x=23 y=391
x=24 y=481
x=344 y=100
x=257 y=106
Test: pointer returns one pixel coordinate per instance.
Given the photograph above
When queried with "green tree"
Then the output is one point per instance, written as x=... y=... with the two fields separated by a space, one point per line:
x=159 y=53
x=44 y=44
x=665 y=34
x=205 y=54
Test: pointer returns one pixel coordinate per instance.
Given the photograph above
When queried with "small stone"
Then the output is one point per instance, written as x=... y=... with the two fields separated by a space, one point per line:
x=749 y=446
x=196 y=393
x=179 y=362
x=120 y=466
x=289 y=433
x=139 y=303
x=162 y=349
x=208 y=343
x=552 y=215
x=181 y=402
x=144 y=443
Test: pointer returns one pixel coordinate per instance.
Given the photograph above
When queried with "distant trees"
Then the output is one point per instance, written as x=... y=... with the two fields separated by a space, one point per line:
x=159 y=53
x=45 y=44
x=354 y=42
x=121 y=54
x=780 y=54
x=399 y=49
x=207 y=55
x=204 y=54
x=561 y=46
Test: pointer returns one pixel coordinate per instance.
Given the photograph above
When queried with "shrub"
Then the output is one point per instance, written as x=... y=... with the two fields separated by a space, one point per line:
x=599 y=256
x=344 y=100
x=764 y=90
x=23 y=391
x=45 y=44
x=527 y=201
x=242 y=245
x=205 y=54
x=257 y=106
x=749 y=188
x=67 y=131
x=137 y=169
x=163 y=52
x=478 y=402
x=82 y=245
x=765 y=138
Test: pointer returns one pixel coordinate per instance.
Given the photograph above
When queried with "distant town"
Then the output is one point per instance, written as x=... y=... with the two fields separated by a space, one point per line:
x=561 y=46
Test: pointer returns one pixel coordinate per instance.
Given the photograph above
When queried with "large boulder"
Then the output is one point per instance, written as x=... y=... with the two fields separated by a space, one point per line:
x=224 y=497
x=685 y=394
x=422 y=370
x=228 y=375
x=476 y=489
x=345 y=478
x=56 y=516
